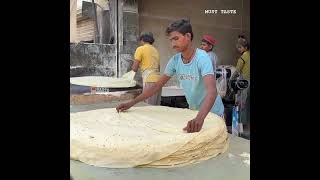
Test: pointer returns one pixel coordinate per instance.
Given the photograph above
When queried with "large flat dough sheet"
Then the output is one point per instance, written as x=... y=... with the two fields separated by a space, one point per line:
x=149 y=136
x=107 y=82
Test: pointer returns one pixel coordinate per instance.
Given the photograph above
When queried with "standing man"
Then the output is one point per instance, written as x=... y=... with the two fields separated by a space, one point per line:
x=243 y=68
x=148 y=59
x=194 y=70
x=243 y=63
x=207 y=44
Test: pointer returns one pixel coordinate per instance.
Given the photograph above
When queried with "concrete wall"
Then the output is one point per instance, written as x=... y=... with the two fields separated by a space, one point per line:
x=100 y=59
x=88 y=59
x=128 y=35
x=156 y=15
x=104 y=25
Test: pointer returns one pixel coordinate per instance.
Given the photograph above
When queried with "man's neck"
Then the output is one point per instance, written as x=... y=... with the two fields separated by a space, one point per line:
x=188 y=53
x=145 y=43
x=243 y=52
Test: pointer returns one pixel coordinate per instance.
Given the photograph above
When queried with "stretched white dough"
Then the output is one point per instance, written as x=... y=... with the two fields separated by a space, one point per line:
x=149 y=136
x=127 y=80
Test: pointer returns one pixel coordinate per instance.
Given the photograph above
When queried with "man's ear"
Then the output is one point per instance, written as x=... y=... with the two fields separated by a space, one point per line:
x=188 y=35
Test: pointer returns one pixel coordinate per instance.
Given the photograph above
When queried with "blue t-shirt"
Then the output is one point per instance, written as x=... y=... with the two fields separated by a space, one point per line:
x=191 y=79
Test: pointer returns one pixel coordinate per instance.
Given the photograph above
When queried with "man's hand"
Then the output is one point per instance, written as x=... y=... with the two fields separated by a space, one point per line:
x=124 y=106
x=145 y=94
x=194 y=125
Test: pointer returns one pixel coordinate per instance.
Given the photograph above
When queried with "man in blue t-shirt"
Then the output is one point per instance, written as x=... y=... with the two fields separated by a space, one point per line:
x=195 y=72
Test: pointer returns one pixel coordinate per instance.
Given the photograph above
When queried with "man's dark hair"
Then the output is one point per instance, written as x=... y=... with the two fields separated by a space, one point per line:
x=241 y=36
x=182 y=26
x=242 y=40
x=147 y=37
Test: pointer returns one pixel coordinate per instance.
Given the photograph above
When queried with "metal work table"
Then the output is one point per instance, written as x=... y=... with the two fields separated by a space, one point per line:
x=82 y=95
x=228 y=165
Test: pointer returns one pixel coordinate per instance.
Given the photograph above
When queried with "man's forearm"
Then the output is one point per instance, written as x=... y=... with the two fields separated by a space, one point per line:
x=207 y=105
x=152 y=90
x=135 y=65
x=134 y=68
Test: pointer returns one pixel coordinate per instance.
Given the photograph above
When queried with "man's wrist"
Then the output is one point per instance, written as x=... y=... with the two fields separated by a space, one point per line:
x=200 y=118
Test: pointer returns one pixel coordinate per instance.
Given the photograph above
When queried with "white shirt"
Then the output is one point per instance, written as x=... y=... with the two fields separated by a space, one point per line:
x=214 y=59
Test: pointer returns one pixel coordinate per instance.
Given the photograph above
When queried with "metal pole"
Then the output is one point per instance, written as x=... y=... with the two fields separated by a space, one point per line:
x=117 y=37
x=114 y=30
